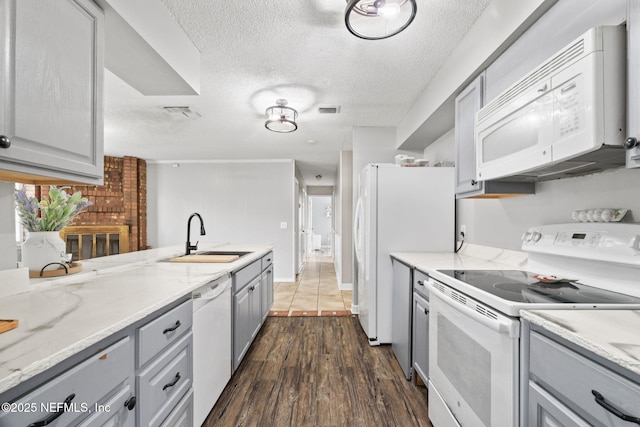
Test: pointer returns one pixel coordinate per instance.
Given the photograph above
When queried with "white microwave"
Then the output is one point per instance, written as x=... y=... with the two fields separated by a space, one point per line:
x=565 y=118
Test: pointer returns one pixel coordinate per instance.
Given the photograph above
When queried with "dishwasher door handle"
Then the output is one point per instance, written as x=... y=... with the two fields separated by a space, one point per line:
x=213 y=289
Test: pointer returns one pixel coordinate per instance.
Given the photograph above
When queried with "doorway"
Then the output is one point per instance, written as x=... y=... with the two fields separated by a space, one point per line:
x=321 y=220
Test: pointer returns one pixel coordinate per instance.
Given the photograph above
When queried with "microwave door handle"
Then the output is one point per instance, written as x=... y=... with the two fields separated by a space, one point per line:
x=501 y=325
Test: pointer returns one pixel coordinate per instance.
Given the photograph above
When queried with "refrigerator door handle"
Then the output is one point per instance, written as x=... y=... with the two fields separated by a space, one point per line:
x=357 y=234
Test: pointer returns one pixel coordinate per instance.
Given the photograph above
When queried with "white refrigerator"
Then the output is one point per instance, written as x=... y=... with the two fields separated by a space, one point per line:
x=399 y=209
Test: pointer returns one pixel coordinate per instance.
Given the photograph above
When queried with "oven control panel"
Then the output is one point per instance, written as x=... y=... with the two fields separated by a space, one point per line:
x=585 y=238
x=614 y=242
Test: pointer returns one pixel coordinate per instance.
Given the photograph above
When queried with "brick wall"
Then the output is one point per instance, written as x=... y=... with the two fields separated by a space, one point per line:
x=122 y=200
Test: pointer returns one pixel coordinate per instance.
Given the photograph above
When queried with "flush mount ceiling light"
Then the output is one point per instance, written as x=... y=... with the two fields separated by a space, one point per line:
x=378 y=19
x=281 y=118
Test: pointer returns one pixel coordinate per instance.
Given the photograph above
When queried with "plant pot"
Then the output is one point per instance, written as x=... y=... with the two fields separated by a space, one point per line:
x=42 y=248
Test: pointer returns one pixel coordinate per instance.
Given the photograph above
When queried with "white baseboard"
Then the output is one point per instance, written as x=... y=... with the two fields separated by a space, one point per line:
x=345 y=286
x=286 y=279
x=355 y=309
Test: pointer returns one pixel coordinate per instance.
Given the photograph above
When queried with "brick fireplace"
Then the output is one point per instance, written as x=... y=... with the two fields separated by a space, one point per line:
x=122 y=200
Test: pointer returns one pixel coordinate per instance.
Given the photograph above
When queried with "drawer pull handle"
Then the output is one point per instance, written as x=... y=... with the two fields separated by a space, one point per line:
x=130 y=403
x=268 y=259
x=172 y=383
x=420 y=283
x=51 y=418
x=599 y=398
x=426 y=311
x=172 y=329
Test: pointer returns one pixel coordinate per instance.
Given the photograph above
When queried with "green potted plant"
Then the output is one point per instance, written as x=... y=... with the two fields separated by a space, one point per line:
x=43 y=220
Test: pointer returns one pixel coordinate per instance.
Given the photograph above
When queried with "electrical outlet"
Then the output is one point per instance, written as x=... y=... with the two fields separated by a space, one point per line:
x=463 y=229
x=283 y=225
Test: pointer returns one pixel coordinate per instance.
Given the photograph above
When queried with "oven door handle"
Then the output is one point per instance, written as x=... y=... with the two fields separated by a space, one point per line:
x=501 y=324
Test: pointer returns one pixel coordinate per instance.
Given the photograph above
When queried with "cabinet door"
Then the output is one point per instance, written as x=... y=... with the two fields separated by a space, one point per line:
x=241 y=325
x=256 y=308
x=264 y=303
x=51 y=93
x=401 y=315
x=269 y=289
x=421 y=337
x=266 y=292
x=546 y=411
x=467 y=104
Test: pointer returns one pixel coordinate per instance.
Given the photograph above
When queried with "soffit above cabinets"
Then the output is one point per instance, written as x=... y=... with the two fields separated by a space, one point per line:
x=501 y=23
x=147 y=49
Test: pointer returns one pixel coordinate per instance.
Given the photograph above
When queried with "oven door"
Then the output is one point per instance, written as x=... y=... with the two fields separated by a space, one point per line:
x=473 y=362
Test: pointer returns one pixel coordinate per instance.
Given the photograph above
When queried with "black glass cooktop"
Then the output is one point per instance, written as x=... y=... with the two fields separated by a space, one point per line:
x=526 y=287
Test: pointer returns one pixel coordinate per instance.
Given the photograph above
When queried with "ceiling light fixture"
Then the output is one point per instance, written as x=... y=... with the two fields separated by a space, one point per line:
x=280 y=118
x=378 y=19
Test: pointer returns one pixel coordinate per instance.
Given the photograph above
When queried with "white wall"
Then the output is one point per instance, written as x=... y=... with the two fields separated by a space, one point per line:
x=343 y=207
x=501 y=222
x=320 y=222
x=240 y=202
x=9 y=257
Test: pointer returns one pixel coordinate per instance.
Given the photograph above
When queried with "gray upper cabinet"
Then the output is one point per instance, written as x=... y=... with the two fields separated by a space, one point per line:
x=467 y=104
x=51 y=70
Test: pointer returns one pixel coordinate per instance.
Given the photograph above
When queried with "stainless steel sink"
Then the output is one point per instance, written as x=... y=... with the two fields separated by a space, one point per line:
x=239 y=253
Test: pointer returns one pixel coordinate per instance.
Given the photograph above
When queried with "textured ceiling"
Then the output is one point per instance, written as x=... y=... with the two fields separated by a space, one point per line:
x=256 y=51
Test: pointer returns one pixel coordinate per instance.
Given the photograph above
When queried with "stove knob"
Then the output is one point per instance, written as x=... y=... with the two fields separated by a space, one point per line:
x=536 y=236
x=526 y=236
x=634 y=243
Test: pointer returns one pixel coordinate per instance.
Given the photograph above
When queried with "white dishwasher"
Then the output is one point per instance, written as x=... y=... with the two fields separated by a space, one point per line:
x=211 y=345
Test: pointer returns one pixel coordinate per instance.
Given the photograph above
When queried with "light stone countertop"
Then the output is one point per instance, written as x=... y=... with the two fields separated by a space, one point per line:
x=63 y=316
x=469 y=257
x=612 y=334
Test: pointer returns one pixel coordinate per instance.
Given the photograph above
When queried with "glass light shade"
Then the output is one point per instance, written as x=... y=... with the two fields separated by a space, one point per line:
x=378 y=19
x=281 y=118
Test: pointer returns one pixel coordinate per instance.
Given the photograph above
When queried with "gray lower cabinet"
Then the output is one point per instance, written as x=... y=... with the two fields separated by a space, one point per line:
x=93 y=391
x=421 y=336
x=247 y=319
x=164 y=382
x=51 y=91
x=267 y=291
x=401 y=315
x=140 y=376
x=164 y=373
x=252 y=300
x=182 y=415
x=568 y=387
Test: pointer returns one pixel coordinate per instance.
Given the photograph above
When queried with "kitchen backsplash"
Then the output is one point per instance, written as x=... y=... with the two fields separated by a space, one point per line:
x=501 y=222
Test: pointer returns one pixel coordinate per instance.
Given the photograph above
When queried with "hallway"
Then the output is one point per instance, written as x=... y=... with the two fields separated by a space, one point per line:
x=315 y=293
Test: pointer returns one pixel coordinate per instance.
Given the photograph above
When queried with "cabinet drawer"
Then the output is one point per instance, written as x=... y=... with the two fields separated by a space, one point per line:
x=182 y=415
x=571 y=377
x=420 y=283
x=267 y=260
x=247 y=274
x=164 y=382
x=114 y=411
x=81 y=388
x=161 y=332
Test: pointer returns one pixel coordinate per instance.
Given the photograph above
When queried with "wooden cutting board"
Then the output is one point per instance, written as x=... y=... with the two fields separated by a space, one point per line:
x=205 y=258
x=7 y=325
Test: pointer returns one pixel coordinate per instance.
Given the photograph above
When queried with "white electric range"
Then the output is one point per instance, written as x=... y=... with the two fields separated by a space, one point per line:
x=474 y=326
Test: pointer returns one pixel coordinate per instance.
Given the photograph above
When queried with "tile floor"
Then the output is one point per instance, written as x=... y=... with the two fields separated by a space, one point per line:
x=315 y=293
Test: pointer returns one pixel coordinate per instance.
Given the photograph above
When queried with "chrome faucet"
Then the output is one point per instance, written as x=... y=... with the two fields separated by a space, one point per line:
x=191 y=247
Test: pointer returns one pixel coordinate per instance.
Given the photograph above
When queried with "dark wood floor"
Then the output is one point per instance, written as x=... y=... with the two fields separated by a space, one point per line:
x=318 y=371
